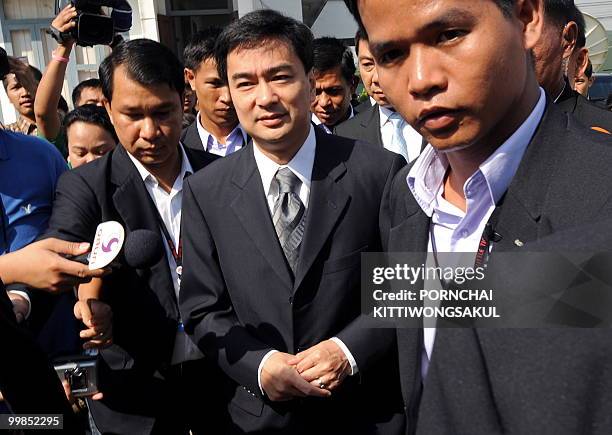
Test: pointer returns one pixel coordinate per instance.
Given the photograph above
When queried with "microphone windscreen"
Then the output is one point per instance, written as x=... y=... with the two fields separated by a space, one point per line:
x=142 y=248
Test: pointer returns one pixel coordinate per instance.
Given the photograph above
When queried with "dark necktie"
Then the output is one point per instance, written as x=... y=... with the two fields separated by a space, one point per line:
x=288 y=215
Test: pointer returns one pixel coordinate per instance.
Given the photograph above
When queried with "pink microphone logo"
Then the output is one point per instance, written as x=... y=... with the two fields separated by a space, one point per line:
x=108 y=247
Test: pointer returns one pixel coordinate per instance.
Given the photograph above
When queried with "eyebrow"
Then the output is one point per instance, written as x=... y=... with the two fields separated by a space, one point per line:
x=268 y=72
x=448 y=18
x=162 y=106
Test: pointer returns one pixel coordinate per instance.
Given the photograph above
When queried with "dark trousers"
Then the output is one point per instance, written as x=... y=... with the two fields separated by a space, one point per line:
x=185 y=397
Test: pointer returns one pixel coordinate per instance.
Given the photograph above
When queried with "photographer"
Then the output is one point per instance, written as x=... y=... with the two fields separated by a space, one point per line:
x=49 y=90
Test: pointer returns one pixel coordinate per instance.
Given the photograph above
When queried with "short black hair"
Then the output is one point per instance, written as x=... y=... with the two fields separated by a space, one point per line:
x=78 y=90
x=588 y=72
x=201 y=47
x=147 y=62
x=506 y=6
x=259 y=28
x=360 y=35
x=91 y=114
x=561 y=12
x=330 y=53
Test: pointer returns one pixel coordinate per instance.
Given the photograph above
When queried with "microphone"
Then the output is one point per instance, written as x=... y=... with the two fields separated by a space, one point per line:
x=142 y=248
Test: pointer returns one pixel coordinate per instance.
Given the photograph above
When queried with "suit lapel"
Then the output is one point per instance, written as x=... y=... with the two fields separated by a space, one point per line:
x=191 y=138
x=136 y=209
x=410 y=235
x=371 y=126
x=521 y=216
x=251 y=208
x=199 y=158
x=326 y=204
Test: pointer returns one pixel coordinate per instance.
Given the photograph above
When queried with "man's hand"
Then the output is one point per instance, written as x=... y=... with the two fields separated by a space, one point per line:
x=64 y=22
x=98 y=317
x=41 y=265
x=282 y=382
x=70 y=397
x=324 y=365
x=21 y=306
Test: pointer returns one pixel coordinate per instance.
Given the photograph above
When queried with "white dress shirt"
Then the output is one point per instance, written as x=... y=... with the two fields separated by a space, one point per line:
x=453 y=229
x=317 y=121
x=301 y=165
x=233 y=142
x=169 y=206
x=387 y=131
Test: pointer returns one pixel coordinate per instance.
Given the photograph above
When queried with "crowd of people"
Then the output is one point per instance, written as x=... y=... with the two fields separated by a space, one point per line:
x=266 y=178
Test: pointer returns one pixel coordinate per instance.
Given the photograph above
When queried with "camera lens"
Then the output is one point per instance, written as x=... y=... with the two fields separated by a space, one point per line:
x=77 y=378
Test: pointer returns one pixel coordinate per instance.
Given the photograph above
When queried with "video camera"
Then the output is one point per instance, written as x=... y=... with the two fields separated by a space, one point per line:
x=93 y=27
x=81 y=372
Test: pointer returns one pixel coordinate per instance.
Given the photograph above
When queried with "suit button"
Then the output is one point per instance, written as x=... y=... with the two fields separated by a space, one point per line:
x=299 y=349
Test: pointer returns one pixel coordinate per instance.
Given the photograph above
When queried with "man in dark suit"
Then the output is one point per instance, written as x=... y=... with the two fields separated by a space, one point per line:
x=499 y=156
x=559 y=53
x=274 y=235
x=216 y=128
x=379 y=124
x=152 y=377
x=335 y=83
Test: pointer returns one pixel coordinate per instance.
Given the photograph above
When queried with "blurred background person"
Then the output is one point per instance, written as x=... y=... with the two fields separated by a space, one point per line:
x=558 y=54
x=90 y=134
x=379 y=124
x=216 y=128
x=88 y=92
x=189 y=102
x=335 y=83
x=583 y=81
x=20 y=86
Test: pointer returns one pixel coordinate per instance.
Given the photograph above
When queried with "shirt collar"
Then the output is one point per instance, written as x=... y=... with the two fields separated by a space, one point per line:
x=147 y=177
x=301 y=164
x=205 y=135
x=426 y=176
x=385 y=114
x=317 y=121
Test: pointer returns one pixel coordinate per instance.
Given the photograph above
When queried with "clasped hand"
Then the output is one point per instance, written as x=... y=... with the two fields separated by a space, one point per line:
x=316 y=372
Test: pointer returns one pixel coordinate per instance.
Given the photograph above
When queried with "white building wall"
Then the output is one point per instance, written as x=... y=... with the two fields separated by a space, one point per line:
x=291 y=8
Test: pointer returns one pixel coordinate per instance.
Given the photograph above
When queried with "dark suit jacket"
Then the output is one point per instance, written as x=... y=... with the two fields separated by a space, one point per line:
x=27 y=379
x=517 y=381
x=363 y=106
x=190 y=137
x=365 y=126
x=145 y=312
x=587 y=112
x=239 y=300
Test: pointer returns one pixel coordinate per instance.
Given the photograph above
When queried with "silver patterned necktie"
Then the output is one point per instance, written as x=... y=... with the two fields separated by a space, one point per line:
x=289 y=215
x=398 y=134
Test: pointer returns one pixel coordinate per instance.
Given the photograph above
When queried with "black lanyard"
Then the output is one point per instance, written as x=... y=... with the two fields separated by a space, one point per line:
x=488 y=237
x=177 y=254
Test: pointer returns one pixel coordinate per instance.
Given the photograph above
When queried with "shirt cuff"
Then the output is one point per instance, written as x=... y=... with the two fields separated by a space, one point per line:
x=348 y=354
x=26 y=297
x=260 y=368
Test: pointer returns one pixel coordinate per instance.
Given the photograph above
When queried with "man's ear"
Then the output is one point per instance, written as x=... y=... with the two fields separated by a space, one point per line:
x=582 y=61
x=354 y=84
x=530 y=13
x=569 y=38
x=190 y=77
x=313 y=86
x=107 y=106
